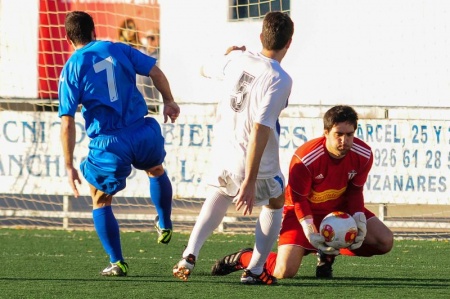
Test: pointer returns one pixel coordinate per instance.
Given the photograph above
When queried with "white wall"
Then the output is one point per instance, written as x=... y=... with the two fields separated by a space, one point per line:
x=361 y=52
x=411 y=158
x=358 y=52
x=375 y=52
x=18 y=48
x=194 y=32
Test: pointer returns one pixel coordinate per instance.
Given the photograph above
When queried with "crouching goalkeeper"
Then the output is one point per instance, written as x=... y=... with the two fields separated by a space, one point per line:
x=326 y=174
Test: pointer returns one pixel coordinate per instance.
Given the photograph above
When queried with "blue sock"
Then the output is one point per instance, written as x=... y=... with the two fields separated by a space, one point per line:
x=161 y=195
x=107 y=230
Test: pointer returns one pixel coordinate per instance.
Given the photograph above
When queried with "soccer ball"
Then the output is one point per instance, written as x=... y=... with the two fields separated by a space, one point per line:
x=339 y=229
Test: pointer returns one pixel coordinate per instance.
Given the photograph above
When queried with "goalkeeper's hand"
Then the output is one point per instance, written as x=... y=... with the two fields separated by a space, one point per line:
x=361 y=224
x=316 y=239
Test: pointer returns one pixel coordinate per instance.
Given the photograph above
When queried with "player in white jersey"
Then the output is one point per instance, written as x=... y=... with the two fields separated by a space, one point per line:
x=246 y=148
x=255 y=97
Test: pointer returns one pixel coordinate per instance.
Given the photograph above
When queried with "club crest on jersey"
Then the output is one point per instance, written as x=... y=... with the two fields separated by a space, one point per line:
x=351 y=174
x=240 y=96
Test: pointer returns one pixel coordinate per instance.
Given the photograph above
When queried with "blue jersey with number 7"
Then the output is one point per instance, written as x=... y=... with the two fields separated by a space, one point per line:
x=101 y=77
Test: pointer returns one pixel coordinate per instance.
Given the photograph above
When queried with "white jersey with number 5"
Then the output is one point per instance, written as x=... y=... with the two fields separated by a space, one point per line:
x=256 y=90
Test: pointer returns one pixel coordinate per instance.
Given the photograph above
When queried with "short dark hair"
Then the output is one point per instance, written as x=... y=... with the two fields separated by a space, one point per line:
x=340 y=114
x=277 y=30
x=79 y=26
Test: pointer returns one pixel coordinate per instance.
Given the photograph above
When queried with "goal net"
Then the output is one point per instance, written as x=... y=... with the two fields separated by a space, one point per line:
x=35 y=191
x=407 y=188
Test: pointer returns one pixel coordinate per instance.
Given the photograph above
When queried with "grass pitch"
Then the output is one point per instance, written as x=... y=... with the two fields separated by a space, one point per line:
x=66 y=264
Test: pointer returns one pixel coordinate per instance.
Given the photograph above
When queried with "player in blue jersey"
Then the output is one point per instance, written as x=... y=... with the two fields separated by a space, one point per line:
x=101 y=77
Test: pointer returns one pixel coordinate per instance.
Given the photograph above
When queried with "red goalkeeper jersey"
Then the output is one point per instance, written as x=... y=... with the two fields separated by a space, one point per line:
x=320 y=184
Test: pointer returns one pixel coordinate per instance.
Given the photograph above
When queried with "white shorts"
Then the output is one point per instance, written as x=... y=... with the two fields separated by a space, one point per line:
x=266 y=189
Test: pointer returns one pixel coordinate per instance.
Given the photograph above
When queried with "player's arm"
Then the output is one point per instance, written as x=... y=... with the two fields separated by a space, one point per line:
x=146 y=66
x=271 y=105
x=297 y=191
x=257 y=143
x=161 y=83
x=355 y=198
x=355 y=202
x=355 y=189
x=235 y=48
x=314 y=237
x=354 y=193
x=214 y=67
x=306 y=220
x=67 y=136
x=299 y=187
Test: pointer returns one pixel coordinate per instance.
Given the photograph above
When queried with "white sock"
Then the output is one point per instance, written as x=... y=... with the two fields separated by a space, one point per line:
x=266 y=233
x=211 y=215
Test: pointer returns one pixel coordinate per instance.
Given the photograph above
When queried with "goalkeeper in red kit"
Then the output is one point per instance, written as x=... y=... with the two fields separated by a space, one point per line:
x=326 y=174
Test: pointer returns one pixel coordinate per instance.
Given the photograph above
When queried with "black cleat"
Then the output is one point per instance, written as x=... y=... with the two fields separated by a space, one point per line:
x=264 y=278
x=324 y=267
x=229 y=263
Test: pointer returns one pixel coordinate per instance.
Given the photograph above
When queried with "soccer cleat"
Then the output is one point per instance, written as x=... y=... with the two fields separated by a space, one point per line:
x=184 y=267
x=324 y=265
x=264 y=278
x=229 y=263
x=164 y=235
x=116 y=269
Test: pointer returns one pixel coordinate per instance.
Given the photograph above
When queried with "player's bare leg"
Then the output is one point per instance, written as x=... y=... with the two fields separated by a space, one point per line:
x=289 y=259
x=379 y=236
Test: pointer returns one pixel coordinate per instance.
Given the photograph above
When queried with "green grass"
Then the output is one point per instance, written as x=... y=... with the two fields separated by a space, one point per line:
x=66 y=264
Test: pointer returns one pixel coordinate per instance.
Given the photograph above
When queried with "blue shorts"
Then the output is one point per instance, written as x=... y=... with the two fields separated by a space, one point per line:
x=111 y=157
